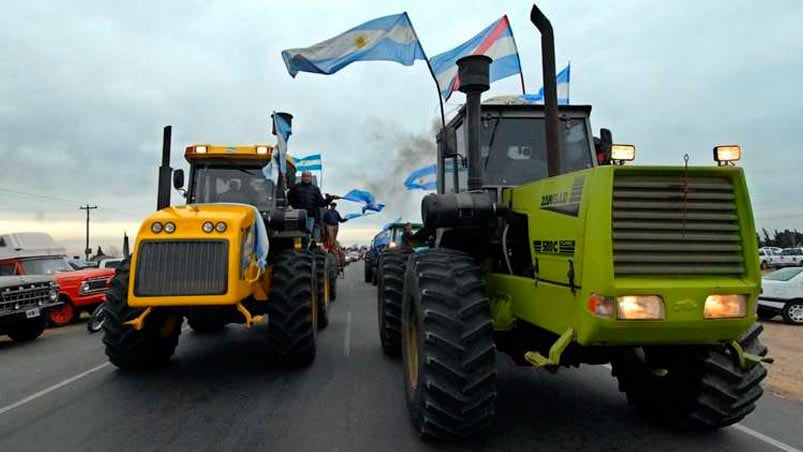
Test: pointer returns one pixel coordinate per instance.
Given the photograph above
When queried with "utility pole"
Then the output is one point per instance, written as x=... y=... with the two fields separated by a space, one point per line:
x=87 y=250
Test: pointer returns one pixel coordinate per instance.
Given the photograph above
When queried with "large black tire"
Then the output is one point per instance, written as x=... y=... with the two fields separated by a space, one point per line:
x=447 y=346
x=765 y=314
x=369 y=270
x=322 y=285
x=333 y=273
x=793 y=312
x=702 y=388
x=128 y=348
x=291 y=308
x=390 y=283
x=26 y=330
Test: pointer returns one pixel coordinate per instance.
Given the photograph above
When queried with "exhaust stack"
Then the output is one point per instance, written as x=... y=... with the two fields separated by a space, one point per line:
x=165 y=172
x=550 y=89
x=473 y=73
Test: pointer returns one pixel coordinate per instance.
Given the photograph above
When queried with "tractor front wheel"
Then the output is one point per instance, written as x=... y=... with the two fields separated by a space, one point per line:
x=322 y=283
x=292 y=311
x=447 y=345
x=390 y=283
x=131 y=349
x=694 y=387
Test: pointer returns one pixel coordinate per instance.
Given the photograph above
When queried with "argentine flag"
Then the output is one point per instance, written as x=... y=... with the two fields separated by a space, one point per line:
x=389 y=38
x=495 y=41
x=309 y=163
x=562 y=79
x=423 y=178
x=283 y=133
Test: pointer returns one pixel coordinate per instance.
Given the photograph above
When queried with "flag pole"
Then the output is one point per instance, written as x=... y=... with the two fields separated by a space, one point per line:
x=431 y=72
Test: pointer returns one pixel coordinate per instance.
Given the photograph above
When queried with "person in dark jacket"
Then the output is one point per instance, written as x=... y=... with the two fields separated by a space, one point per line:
x=331 y=224
x=304 y=195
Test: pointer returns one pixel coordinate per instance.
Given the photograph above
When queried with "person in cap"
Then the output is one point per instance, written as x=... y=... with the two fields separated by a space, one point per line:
x=331 y=224
x=305 y=195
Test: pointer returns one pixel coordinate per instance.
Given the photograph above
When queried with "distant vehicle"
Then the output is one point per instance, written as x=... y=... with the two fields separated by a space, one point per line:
x=114 y=262
x=782 y=293
x=791 y=257
x=352 y=256
x=36 y=253
x=25 y=301
x=769 y=257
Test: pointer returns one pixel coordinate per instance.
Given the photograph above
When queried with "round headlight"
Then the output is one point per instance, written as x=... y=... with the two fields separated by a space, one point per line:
x=220 y=227
x=208 y=227
x=156 y=227
x=54 y=294
x=170 y=227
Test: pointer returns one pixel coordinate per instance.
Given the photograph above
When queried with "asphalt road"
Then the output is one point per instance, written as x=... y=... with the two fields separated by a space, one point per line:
x=222 y=393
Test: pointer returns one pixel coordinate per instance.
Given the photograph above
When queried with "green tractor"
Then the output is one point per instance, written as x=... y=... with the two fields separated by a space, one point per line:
x=546 y=251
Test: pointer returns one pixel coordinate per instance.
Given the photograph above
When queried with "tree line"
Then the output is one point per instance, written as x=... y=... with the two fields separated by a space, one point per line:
x=781 y=239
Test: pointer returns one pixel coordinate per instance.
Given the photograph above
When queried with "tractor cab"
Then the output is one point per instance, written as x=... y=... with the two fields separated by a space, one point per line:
x=512 y=144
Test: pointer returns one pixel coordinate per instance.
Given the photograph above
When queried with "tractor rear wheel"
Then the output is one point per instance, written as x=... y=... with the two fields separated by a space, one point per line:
x=447 y=345
x=292 y=311
x=702 y=388
x=27 y=330
x=132 y=349
x=390 y=283
x=322 y=284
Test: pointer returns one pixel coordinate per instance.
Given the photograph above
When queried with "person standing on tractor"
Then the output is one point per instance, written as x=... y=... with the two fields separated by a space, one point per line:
x=305 y=195
x=407 y=235
x=331 y=224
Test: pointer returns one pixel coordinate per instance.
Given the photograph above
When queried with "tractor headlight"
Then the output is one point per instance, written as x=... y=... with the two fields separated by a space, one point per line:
x=262 y=150
x=156 y=227
x=200 y=149
x=220 y=227
x=727 y=154
x=640 y=307
x=725 y=306
x=392 y=245
x=623 y=152
x=170 y=227
x=208 y=227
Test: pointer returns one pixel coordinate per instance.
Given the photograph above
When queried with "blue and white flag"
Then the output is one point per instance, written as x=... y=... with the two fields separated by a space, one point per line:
x=423 y=178
x=389 y=38
x=388 y=225
x=353 y=215
x=495 y=41
x=309 y=163
x=364 y=197
x=283 y=132
x=562 y=80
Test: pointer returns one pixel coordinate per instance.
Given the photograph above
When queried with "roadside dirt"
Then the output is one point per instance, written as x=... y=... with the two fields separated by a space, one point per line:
x=785 y=343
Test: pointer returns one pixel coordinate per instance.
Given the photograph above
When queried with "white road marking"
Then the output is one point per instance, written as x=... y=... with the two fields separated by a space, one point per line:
x=755 y=434
x=347 y=338
x=765 y=438
x=50 y=389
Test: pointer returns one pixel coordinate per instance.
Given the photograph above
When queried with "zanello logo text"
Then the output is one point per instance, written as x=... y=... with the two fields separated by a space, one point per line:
x=565 y=202
x=562 y=247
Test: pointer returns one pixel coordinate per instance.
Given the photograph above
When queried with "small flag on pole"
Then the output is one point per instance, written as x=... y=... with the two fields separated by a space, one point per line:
x=495 y=41
x=389 y=38
x=308 y=163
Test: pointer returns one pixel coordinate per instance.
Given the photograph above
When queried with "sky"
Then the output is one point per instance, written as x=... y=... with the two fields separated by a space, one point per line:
x=86 y=87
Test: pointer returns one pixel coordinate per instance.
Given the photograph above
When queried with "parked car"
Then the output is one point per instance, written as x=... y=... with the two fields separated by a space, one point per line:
x=114 y=263
x=782 y=293
x=35 y=253
x=769 y=257
x=791 y=257
x=25 y=301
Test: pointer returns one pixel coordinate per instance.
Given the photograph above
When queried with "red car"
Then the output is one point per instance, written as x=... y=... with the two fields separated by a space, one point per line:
x=38 y=254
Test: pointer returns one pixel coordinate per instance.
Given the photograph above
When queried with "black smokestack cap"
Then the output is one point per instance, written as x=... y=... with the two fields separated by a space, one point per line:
x=286 y=116
x=473 y=73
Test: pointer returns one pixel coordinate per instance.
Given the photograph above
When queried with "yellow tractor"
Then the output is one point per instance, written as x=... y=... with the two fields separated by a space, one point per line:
x=232 y=254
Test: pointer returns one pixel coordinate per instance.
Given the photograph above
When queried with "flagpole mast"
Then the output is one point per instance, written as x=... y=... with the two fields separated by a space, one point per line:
x=431 y=72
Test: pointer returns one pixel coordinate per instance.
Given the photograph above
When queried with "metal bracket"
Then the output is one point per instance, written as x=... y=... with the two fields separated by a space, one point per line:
x=570 y=275
x=746 y=360
x=249 y=319
x=139 y=322
x=555 y=352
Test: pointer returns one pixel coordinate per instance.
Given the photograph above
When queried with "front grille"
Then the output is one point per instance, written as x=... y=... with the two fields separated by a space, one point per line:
x=23 y=297
x=97 y=285
x=675 y=225
x=185 y=267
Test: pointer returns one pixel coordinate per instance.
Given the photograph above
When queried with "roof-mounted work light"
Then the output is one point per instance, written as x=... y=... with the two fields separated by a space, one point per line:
x=727 y=154
x=621 y=153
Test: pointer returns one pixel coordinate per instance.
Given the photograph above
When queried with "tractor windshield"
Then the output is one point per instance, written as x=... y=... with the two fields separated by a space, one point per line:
x=514 y=150
x=235 y=184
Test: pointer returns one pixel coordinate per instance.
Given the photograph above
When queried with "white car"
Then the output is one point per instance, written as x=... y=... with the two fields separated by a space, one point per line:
x=769 y=257
x=782 y=293
x=791 y=257
x=114 y=262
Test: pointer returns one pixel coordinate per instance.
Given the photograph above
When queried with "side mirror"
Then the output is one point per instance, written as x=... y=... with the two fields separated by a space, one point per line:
x=178 y=179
